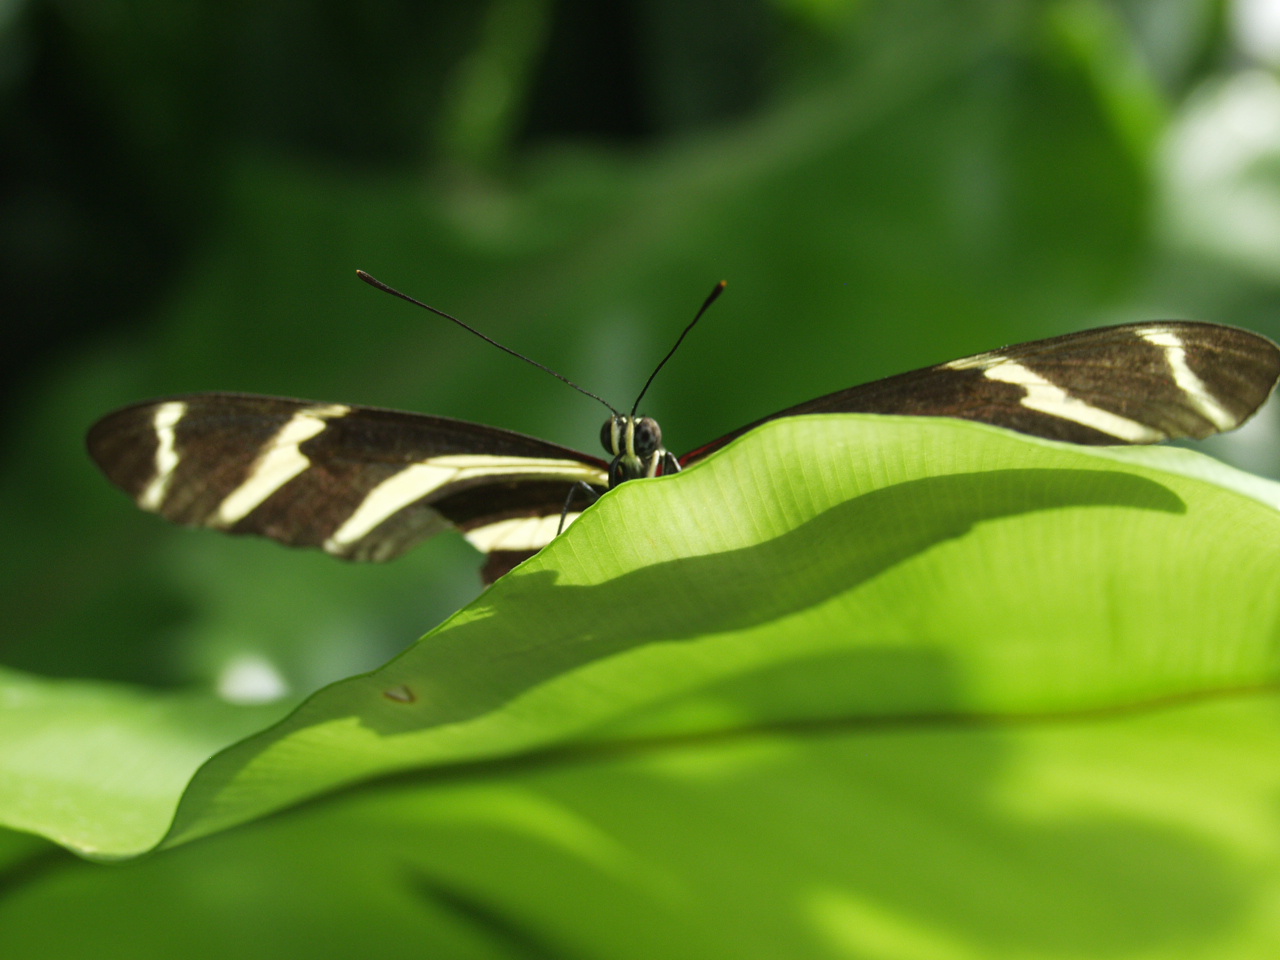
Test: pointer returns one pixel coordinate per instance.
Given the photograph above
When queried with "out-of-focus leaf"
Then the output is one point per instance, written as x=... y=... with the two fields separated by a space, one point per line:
x=99 y=767
x=1134 y=837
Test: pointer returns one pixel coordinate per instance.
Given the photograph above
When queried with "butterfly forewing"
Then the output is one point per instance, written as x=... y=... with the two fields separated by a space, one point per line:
x=1136 y=383
x=359 y=482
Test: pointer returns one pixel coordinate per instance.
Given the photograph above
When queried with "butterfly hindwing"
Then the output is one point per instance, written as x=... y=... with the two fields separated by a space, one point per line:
x=358 y=482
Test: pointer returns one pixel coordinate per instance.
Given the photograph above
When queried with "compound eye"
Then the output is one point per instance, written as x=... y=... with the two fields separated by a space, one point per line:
x=607 y=434
x=648 y=437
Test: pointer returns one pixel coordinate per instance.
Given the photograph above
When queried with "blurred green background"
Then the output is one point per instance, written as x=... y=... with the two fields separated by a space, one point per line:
x=188 y=189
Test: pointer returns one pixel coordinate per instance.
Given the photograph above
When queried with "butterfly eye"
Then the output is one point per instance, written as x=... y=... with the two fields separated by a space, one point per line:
x=648 y=437
x=607 y=435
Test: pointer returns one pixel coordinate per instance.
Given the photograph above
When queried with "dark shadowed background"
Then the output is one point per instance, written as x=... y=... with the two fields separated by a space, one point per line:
x=188 y=189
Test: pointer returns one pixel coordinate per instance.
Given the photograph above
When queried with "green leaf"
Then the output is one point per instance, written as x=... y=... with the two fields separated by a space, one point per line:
x=846 y=570
x=99 y=767
x=1134 y=837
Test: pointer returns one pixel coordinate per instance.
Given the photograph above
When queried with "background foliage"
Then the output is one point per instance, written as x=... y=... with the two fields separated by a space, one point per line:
x=188 y=189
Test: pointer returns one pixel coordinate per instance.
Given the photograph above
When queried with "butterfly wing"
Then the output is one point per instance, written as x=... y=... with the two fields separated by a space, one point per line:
x=360 y=483
x=1135 y=383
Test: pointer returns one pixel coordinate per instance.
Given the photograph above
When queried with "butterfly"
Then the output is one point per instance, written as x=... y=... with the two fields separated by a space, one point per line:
x=363 y=483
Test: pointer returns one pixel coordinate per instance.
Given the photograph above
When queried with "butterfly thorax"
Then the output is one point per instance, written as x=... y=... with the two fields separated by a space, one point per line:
x=635 y=444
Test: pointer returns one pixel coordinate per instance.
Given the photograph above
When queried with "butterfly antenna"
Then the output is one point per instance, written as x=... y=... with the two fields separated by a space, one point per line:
x=375 y=282
x=679 y=340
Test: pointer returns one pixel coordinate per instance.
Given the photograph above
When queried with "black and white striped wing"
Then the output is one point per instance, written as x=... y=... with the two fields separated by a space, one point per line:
x=1135 y=383
x=358 y=482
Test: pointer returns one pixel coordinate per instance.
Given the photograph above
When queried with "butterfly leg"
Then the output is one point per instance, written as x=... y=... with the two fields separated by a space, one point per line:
x=583 y=486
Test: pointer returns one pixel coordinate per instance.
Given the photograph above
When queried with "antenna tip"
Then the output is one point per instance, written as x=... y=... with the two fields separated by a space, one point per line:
x=375 y=282
x=711 y=298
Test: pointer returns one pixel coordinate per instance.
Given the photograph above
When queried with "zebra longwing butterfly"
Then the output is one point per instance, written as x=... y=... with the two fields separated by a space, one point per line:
x=367 y=484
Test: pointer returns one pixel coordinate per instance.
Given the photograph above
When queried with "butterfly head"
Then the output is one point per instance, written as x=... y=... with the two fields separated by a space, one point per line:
x=635 y=443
